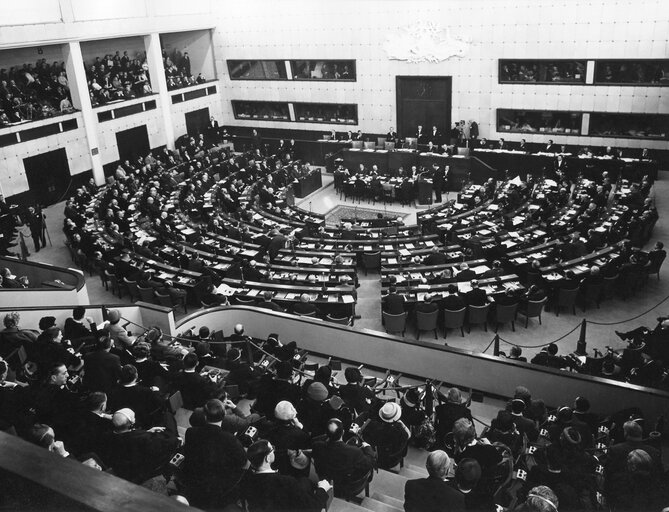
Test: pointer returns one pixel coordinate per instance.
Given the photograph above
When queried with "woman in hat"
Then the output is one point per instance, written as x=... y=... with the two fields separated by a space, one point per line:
x=389 y=435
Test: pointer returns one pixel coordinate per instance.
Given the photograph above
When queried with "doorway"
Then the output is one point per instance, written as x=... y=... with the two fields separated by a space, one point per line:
x=425 y=101
x=48 y=176
x=133 y=143
x=196 y=121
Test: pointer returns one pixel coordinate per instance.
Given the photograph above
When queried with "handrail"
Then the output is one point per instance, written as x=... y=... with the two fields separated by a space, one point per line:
x=75 y=278
x=51 y=478
x=492 y=375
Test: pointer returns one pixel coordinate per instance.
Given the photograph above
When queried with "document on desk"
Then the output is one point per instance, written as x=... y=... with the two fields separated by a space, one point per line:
x=347 y=299
x=252 y=292
x=481 y=269
x=326 y=261
x=333 y=298
x=429 y=243
x=410 y=246
x=464 y=287
x=405 y=252
x=392 y=261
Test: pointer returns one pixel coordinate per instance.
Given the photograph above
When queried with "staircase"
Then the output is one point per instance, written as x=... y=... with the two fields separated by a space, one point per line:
x=387 y=487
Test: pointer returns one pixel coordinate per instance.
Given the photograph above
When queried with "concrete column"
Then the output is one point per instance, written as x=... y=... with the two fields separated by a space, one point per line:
x=76 y=77
x=154 y=58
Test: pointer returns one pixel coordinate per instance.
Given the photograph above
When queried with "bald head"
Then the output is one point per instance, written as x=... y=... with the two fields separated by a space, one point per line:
x=438 y=464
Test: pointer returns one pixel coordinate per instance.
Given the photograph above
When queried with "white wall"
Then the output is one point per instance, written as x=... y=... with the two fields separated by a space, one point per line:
x=12 y=172
x=353 y=29
x=179 y=111
x=20 y=56
x=107 y=132
x=198 y=45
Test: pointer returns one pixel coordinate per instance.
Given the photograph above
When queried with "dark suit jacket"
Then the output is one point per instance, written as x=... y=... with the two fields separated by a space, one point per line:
x=432 y=495
x=214 y=463
x=102 y=371
x=147 y=404
x=393 y=303
x=195 y=389
x=476 y=297
x=453 y=302
x=272 y=491
x=341 y=462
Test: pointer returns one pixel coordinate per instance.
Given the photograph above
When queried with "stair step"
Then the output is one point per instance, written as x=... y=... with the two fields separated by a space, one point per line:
x=410 y=474
x=380 y=506
x=388 y=500
x=339 y=505
x=417 y=469
x=388 y=483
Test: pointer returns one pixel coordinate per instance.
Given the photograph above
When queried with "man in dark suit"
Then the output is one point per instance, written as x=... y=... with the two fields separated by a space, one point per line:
x=435 y=136
x=465 y=273
x=550 y=147
x=393 y=303
x=195 y=389
x=339 y=462
x=145 y=402
x=214 y=461
x=391 y=136
x=436 y=257
x=476 y=296
x=421 y=135
x=452 y=301
x=102 y=368
x=435 y=493
x=427 y=306
x=263 y=488
x=305 y=306
x=136 y=454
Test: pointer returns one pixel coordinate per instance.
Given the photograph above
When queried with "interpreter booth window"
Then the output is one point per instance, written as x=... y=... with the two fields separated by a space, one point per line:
x=116 y=70
x=631 y=126
x=555 y=71
x=632 y=72
x=257 y=69
x=187 y=58
x=323 y=69
x=539 y=121
x=261 y=110
x=326 y=113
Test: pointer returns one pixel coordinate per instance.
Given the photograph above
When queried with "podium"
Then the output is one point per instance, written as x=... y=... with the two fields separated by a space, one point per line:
x=425 y=192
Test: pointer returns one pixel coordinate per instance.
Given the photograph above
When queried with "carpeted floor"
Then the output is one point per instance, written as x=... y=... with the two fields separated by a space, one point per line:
x=338 y=213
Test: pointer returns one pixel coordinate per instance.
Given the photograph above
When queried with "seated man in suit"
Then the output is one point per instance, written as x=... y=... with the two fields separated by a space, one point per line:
x=427 y=305
x=465 y=273
x=341 y=463
x=263 y=488
x=393 y=303
x=453 y=301
x=435 y=493
x=195 y=388
x=268 y=303
x=476 y=296
x=436 y=257
x=305 y=306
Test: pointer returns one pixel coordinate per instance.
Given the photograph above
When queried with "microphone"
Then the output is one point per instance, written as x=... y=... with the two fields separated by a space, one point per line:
x=309 y=207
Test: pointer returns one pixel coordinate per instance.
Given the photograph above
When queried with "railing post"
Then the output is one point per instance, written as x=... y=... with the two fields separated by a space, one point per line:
x=496 y=345
x=580 y=344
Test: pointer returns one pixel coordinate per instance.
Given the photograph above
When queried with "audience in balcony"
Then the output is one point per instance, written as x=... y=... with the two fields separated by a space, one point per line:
x=117 y=78
x=178 y=71
x=30 y=93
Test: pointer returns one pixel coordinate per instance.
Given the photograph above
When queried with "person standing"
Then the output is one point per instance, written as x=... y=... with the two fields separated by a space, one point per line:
x=37 y=227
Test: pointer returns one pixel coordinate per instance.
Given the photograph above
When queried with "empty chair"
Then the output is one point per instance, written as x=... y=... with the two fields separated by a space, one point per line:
x=453 y=320
x=132 y=289
x=164 y=300
x=504 y=314
x=371 y=260
x=654 y=267
x=566 y=298
x=146 y=294
x=395 y=323
x=592 y=294
x=344 y=320
x=609 y=287
x=426 y=322
x=533 y=310
x=478 y=315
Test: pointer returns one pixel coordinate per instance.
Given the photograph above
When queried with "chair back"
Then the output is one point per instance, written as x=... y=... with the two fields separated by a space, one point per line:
x=535 y=307
x=478 y=314
x=310 y=314
x=371 y=260
x=504 y=313
x=567 y=298
x=244 y=302
x=454 y=319
x=593 y=292
x=146 y=294
x=395 y=323
x=132 y=288
x=344 y=320
x=654 y=268
x=609 y=286
x=164 y=300
x=426 y=321
x=176 y=401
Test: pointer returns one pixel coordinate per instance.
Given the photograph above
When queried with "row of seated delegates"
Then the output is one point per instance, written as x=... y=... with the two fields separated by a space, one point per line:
x=117 y=416
x=8 y=280
x=178 y=70
x=30 y=92
x=565 y=71
x=607 y=152
x=117 y=78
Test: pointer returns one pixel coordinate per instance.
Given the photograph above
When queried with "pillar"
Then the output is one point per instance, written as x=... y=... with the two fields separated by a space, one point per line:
x=154 y=58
